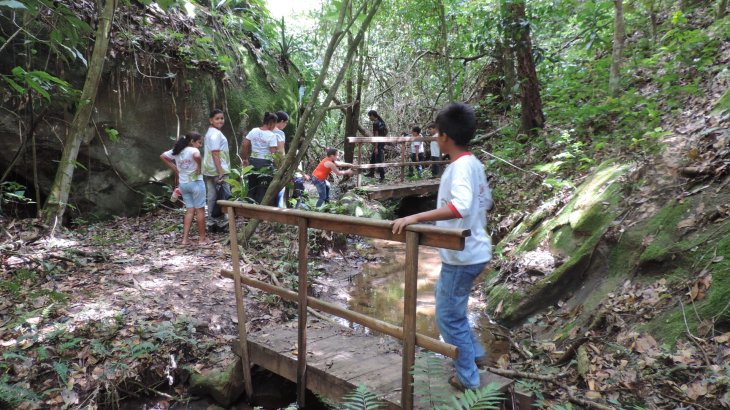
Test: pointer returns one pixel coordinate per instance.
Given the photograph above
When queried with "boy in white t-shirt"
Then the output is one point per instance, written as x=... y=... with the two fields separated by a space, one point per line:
x=418 y=154
x=463 y=201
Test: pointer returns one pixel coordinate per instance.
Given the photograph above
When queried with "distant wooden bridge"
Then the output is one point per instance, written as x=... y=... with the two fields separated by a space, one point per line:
x=328 y=359
x=403 y=188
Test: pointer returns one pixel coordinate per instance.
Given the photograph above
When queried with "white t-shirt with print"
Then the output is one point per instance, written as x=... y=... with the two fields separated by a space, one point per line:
x=465 y=190
x=215 y=141
x=186 y=165
x=261 y=142
x=416 y=147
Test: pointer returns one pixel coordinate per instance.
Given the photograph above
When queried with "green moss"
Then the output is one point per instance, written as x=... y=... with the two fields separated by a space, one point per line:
x=722 y=104
x=713 y=309
x=595 y=197
x=663 y=228
x=500 y=293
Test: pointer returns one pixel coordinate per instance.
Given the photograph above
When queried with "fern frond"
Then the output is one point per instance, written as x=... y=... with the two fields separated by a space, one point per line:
x=427 y=368
x=361 y=399
x=487 y=397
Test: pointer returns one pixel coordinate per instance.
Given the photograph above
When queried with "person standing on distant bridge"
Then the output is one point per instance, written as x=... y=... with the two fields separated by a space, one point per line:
x=379 y=130
x=464 y=198
x=418 y=154
x=435 y=151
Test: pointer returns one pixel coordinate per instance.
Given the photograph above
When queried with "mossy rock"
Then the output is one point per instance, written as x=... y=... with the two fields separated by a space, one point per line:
x=574 y=233
x=225 y=386
x=359 y=206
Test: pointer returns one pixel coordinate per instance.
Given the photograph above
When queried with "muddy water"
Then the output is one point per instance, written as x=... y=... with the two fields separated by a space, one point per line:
x=378 y=290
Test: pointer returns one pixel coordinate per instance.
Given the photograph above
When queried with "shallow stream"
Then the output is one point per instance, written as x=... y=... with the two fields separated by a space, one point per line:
x=378 y=290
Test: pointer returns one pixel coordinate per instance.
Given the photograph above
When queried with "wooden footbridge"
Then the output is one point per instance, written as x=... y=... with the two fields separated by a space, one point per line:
x=325 y=358
x=403 y=188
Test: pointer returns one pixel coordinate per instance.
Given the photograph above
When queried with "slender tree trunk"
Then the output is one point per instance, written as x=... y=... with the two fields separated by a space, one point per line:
x=299 y=143
x=532 y=115
x=653 y=19
x=443 y=30
x=614 y=79
x=58 y=197
x=721 y=9
x=350 y=119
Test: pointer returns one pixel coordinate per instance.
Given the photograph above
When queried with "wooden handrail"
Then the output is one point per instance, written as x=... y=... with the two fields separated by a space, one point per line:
x=389 y=329
x=430 y=235
x=396 y=164
x=360 y=140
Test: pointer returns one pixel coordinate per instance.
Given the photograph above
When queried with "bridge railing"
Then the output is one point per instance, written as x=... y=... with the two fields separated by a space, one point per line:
x=403 y=163
x=413 y=237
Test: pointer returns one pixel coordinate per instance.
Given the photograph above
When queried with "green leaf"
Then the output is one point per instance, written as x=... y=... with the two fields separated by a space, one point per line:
x=62 y=371
x=112 y=134
x=14 y=85
x=39 y=89
x=12 y=4
x=165 y=4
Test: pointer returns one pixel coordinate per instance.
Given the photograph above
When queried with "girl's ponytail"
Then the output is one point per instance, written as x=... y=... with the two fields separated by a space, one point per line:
x=185 y=141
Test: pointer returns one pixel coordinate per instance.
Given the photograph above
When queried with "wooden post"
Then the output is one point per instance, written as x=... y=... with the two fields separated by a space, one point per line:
x=358 y=181
x=302 y=334
x=402 y=160
x=409 y=318
x=240 y=305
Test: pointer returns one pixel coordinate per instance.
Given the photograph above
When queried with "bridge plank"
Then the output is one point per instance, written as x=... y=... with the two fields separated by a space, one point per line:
x=338 y=360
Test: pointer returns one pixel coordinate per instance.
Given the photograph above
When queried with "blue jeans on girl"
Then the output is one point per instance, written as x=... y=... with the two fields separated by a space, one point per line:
x=452 y=296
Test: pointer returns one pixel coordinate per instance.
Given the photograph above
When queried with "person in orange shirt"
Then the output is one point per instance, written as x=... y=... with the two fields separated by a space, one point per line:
x=322 y=172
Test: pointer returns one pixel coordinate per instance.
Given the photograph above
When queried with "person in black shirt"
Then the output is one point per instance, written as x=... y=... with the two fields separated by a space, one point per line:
x=379 y=130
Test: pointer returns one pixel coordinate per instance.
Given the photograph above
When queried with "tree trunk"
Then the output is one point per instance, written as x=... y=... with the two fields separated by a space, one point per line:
x=532 y=115
x=58 y=197
x=444 y=33
x=299 y=143
x=614 y=79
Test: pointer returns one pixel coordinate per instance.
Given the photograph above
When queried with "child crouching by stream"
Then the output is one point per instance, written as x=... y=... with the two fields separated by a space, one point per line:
x=464 y=198
x=322 y=172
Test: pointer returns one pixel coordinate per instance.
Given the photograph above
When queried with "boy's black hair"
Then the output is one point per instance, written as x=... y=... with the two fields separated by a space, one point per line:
x=215 y=112
x=331 y=151
x=431 y=125
x=282 y=116
x=458 y=122
x=416 y=129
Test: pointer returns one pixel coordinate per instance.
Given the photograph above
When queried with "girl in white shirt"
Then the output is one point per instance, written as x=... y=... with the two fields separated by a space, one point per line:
x=184 y=159
x=258 y=148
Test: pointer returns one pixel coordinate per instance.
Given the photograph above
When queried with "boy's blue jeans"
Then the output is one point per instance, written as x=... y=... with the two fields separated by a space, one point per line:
x=322 y=189
x=452 y=296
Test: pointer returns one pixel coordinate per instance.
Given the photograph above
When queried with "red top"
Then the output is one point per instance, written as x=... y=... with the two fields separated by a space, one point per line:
x=322 y=171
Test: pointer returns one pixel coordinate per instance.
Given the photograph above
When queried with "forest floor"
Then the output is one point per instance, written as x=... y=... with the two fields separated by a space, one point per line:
x=121 y=310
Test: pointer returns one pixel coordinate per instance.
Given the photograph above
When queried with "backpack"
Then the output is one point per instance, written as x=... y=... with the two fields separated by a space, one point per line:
x=222 y=192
